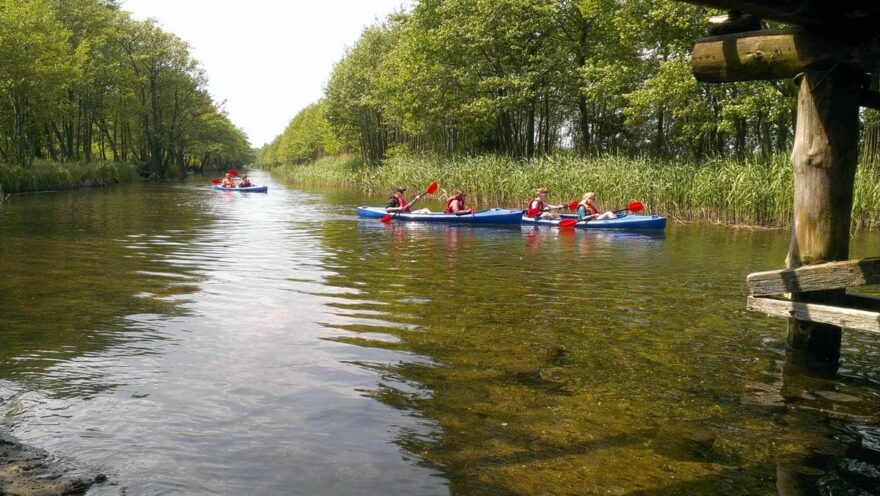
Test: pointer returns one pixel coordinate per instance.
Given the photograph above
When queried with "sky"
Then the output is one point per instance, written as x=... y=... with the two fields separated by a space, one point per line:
x=268 y=59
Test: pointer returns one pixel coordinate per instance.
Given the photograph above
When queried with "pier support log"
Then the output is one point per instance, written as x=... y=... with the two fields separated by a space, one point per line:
x=824 y=158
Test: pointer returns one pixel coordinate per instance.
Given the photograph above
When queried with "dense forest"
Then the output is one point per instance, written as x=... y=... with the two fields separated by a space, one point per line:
x=81 y=81
x=528 y=78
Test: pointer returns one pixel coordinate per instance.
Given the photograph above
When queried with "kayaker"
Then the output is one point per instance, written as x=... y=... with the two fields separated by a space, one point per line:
x=538 y=207
x=455 y=204
x=245 y=182
x=587 y=209
x=227 y=181
x=396 y=203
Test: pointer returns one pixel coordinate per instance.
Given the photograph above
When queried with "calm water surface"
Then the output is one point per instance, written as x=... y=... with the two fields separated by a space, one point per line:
x=185 y=341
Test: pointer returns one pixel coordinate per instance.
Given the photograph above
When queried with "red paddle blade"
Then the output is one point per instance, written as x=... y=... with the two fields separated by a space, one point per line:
x=432 y=188
x=567 y=223
x=215 y=181
x=386 y=219
x=573 y=205
x=233 y=172
x=635 y=206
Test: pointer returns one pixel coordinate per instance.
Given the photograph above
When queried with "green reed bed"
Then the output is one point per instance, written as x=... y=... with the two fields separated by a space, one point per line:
x=751 y=192
x=47 y=176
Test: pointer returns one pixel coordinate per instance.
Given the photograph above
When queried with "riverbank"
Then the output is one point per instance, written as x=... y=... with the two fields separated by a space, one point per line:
x=26 y=471
x=51 y=176
x=747 y=193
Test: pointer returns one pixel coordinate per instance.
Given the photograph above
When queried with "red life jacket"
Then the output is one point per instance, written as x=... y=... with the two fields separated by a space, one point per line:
x=401 y=203
x=448 y=208
x=534 y=211
x=590 y=209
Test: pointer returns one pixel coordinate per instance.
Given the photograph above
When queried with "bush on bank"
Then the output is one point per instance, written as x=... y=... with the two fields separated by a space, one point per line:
x=751 y=192
x=47 y=176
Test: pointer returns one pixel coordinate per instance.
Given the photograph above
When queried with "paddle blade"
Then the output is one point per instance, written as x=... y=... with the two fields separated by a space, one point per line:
x=567 y=223
x=386 y=219
x=432 y=188
x=573 y=205
x=215 y=181
x=635 y=206
x=233 y=172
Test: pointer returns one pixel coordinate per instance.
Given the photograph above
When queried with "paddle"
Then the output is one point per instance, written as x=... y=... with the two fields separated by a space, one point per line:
x=233 y=172
x=215 y=181
x=635 y=206
x=429 y=190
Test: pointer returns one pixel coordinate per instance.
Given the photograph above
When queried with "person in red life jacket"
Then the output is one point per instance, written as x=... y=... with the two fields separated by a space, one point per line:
x=538 y=207
x=396 y=203
x=245 y=182
x=227 y=181
x=587 y=209
x=455 y=204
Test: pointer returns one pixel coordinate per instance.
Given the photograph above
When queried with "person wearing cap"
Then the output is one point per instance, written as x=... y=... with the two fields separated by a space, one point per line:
x=396 y=203
x=245 y=182
x=587 y=209
x=538 y=207
x=227 y=181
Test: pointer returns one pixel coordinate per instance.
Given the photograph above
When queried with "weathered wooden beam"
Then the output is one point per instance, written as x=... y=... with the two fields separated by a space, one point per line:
x=817 y=313
x=860 y=301
x=779 y=54
x=824 y=160
x=870 y=99
x=845 y=15
x=819 y=277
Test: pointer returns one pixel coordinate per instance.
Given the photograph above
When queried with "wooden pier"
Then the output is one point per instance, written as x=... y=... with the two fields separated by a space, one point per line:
x=830 y=51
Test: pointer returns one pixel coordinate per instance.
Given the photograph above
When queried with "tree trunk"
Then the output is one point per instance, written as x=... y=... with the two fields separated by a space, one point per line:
x=824 y=159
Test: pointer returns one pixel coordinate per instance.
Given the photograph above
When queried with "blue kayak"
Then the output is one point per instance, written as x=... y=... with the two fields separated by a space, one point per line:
x=621 y=222
x=490 y=216
x=250 y=189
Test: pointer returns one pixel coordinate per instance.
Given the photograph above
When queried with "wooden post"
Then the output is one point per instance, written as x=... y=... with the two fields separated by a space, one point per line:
x=824 y=159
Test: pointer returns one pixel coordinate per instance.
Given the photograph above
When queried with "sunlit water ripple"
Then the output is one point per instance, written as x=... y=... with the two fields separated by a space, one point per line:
x=186 y=341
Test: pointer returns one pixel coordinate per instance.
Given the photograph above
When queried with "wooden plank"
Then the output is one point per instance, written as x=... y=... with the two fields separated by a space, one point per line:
x=847 y=15
x=860 y=301
x=870 y=99
x=779 y=54
x=813 y=312
x=819 y=277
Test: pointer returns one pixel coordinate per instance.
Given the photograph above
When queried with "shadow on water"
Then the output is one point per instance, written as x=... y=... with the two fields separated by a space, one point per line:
x=601 y=363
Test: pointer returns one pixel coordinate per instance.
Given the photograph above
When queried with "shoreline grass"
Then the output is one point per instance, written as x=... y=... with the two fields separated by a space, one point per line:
x=737 y=193
x=52 y=176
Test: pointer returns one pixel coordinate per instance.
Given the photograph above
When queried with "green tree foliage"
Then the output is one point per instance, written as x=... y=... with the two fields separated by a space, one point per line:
x=527 y=78
x=80 y=80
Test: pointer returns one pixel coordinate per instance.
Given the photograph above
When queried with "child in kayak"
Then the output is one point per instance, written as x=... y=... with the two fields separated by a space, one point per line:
x=396 y=203
x=587 y=209
x=455 y=204
x=538 y=207
x=245 y=182
x=227 y=181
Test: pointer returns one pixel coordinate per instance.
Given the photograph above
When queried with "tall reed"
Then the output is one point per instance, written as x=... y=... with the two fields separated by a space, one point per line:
x=45 y=175
x=751 y=192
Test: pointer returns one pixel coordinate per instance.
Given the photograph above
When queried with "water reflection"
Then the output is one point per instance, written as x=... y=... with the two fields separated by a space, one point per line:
x=589 y=362
x=201 y=343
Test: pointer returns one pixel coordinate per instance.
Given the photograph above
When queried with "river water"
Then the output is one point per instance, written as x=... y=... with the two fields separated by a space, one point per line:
x=186 y=341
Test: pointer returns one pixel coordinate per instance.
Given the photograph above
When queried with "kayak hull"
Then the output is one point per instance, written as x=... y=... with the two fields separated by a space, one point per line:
x=251 y=189
x=490 y=216
x=621 y=222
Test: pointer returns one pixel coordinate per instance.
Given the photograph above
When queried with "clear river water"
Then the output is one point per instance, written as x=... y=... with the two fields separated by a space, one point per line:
x=187 y=341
